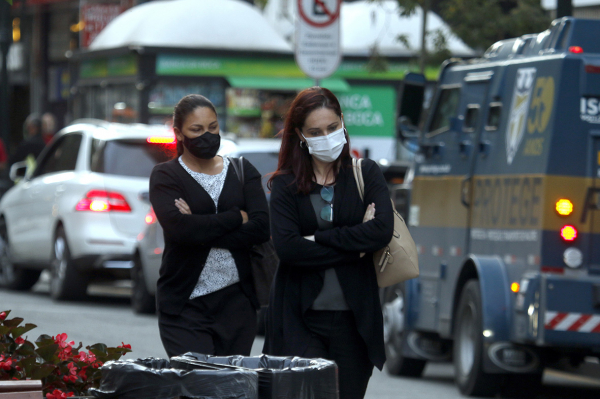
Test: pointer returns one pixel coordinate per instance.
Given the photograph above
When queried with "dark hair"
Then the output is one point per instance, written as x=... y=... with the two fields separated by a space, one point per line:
x=184 y=107
x=295 y=159
x=34 y=120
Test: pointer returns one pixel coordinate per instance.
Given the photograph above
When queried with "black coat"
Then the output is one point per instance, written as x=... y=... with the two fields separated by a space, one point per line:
x=189 y=238
x=298 y=281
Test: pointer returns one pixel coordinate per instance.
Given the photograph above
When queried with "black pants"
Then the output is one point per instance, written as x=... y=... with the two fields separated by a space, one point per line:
x=334 y=336
x=222 y=323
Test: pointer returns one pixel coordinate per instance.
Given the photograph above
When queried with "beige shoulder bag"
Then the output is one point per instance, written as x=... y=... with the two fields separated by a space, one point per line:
x=398 y=261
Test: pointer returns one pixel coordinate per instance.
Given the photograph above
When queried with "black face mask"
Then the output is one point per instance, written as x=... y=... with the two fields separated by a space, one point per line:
x=205 y=146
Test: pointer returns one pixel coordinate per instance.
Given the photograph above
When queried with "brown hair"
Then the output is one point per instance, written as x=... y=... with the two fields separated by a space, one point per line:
x=186 y=106
x=295 y=159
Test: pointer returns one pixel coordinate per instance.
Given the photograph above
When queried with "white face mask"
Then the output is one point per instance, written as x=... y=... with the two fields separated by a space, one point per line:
x=327 y=148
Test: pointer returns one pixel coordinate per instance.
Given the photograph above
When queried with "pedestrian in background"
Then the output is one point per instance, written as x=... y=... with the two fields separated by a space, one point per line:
x=325 y=298
x=205 y=293
x=33 y=144
x=48 y=126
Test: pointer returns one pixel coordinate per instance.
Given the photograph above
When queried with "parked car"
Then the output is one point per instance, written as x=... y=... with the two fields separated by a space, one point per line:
x=79 y=212
x=262 y=153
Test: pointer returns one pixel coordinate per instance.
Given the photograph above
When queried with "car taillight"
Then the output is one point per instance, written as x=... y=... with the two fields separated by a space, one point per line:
x=169 y=140
x=103 y=201
x=592 y=68
x=564 y=207
x=575 y=50
x=568 y=233
x=151 y=216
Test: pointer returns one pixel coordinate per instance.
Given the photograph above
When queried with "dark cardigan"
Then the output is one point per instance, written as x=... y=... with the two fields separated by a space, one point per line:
x=189 y=238
x=298 y=281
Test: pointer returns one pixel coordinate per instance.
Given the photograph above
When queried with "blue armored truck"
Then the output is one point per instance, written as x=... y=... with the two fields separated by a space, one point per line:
x=505 y=212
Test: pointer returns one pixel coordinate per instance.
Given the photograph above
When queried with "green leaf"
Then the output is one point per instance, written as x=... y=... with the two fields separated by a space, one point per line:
x=26 y=349
x=13 y=322
x=27 y=364
x=17 y=332
x=10 y=2
x=44 y=340
x=4 y=330
x=47 y=352
x=100 y=350
x=42 y=371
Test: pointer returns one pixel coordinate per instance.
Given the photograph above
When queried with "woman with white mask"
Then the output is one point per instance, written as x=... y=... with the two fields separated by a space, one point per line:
x=324 y=300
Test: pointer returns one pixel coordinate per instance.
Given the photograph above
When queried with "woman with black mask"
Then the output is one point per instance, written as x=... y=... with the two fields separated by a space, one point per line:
x=205 y=294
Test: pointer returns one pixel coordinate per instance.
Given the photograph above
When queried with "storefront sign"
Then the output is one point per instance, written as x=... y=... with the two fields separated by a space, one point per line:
x=95 y=17
x=318 y=52
x=191 y=65
x=102 y=68
x=369 y=111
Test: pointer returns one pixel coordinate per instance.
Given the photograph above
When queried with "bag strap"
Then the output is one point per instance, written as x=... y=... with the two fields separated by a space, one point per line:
x=239 y=168
x=360 y=183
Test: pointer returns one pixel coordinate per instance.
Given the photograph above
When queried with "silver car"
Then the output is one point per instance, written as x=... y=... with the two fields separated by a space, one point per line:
x=80 y=211
x=262 y=153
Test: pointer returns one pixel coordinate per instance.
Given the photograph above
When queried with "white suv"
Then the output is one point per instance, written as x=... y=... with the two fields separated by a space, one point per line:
x=80 y=211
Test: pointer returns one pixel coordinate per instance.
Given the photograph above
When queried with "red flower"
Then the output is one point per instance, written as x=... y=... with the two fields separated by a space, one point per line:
x=61 y=340
x=19 y=340
x=6 y=365
x=2 y=315
x=82 y=372
x=65 y=354
x=124 y=346
x=58 y=395
x=72 y=375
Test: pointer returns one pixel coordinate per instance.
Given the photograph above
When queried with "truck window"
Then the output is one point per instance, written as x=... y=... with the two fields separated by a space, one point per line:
x=445 y=109
x=494 y=114
x=471 y=117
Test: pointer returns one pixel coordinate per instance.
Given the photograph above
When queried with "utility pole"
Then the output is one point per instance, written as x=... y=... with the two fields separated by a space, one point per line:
x=564 y=8
x=425 y=7
x=5 y=42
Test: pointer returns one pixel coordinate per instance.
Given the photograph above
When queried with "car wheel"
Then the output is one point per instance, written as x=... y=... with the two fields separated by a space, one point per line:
x=394 y=336
x=11 y=276
x=66 y=282
x=141 y=300
x=468 y=346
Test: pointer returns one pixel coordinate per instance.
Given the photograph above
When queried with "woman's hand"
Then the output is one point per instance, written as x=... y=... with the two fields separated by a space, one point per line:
x=369 y=213
x=183 y=206
x=244 y=217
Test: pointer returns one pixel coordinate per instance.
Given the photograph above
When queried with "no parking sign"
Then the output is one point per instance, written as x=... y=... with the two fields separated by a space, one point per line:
x=318 y=51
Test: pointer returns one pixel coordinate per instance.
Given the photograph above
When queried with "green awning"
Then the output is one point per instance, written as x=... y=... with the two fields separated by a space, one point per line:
x=287 y=84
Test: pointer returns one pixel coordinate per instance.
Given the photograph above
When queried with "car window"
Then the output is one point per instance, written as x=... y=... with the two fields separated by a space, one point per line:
x=134 y=158
x=62 y=156
x=446 y=108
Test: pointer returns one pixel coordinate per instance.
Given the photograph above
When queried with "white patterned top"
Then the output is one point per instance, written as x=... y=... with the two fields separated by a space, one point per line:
x=219 y=270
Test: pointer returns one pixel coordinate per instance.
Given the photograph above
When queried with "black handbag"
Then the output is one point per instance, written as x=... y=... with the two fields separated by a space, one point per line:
x=263 y=258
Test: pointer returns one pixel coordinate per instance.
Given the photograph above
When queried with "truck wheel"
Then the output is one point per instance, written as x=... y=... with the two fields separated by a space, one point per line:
x=141 y=300
x=66 y=282
x=11 y=276
x=394 y=336
x=468 y=346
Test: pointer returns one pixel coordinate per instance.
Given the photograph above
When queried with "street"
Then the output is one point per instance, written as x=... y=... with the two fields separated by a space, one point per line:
x=106 y=317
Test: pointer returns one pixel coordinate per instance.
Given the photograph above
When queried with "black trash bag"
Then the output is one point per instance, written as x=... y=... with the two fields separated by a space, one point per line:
x=152 y=378
x=278 y=377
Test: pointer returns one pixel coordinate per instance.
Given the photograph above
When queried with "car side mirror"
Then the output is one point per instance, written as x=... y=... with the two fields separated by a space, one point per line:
x=18 y=170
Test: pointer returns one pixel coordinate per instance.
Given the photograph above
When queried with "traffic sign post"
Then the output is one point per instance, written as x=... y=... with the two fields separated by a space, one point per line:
x=318 y=51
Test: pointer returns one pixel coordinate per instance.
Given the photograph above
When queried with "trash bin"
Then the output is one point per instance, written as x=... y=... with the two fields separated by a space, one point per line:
x=152 y=378
x=278 y=377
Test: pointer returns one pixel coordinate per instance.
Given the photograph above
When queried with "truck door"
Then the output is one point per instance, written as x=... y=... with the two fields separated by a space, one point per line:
x=472 y=112
x=591 y=210
x=437 y=215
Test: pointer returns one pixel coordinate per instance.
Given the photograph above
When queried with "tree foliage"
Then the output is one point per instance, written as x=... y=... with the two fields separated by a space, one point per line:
x=480 y=23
